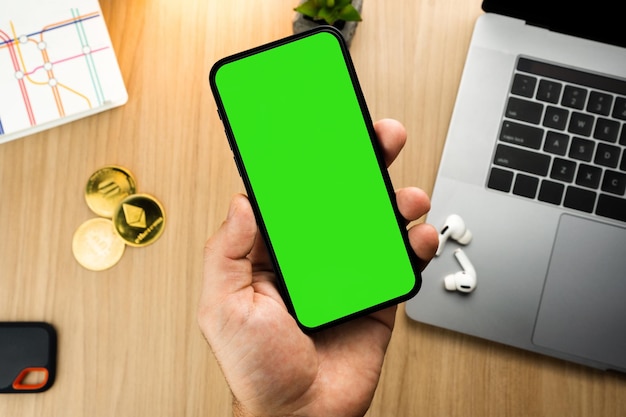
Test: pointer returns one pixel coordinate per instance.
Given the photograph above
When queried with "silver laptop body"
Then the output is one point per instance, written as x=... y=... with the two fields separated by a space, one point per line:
x=551 y=271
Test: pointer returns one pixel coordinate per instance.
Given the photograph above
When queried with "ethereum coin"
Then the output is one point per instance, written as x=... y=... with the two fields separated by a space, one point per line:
x=139 y=219
x=107 y=187
x=96 y=246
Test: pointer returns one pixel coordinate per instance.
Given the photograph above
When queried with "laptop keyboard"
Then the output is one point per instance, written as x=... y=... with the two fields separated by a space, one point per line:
x=563 y=140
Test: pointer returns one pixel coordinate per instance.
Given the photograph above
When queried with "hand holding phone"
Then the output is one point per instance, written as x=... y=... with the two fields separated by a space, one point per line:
x=244 y=318
x=271 y=366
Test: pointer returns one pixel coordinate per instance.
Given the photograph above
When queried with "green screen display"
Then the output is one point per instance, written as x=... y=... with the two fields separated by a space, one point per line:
x=304 y=145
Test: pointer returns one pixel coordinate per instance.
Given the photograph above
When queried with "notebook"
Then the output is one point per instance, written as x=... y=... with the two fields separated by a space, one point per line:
x=57 y=64
x=535 y=165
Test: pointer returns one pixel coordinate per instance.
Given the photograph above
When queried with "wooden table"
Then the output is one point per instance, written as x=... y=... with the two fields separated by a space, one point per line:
x=129 y=344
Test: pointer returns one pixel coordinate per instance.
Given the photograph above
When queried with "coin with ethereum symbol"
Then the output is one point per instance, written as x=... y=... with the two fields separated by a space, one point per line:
x=139 y=219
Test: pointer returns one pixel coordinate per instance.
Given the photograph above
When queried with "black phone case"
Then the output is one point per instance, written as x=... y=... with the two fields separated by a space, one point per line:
x=25 y=348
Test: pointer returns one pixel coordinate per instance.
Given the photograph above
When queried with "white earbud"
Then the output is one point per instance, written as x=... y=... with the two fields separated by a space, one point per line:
x=465 y=280
x=454 y=228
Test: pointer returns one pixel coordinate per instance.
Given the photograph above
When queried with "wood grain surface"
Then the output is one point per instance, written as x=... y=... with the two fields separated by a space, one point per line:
x=129 y=344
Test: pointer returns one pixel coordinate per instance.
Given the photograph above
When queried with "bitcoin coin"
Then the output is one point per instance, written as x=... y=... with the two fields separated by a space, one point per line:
x=139 y=219
x=107 y=187
x=96 y=245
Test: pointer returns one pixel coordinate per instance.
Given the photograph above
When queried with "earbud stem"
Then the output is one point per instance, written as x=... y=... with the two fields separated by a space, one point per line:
x=464 y=262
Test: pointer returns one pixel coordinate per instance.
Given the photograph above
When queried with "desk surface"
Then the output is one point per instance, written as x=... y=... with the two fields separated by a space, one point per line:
x=129 y=344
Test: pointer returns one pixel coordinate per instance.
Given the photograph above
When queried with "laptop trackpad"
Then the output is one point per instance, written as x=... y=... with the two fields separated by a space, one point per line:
x=583 y=307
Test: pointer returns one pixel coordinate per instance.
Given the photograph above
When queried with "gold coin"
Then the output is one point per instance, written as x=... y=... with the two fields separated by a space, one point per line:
x=96 y=246
x=139 y=219
x=107 y=187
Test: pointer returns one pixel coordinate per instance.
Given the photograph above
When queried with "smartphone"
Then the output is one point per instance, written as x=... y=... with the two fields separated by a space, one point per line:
x=305 y=147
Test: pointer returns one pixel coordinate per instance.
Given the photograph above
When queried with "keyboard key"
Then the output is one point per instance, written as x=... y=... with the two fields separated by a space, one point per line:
x=582 y=149
x=524 y=85
x=563 y=170
x=611 y=207
x=551 y=192
x=606 y=130
x=607 y=155
x=574 y=97
x=614 y=182
x=556 y=143
x=549 y=91
x=622 y=137
x=580 y=124
x=500 y=179
x=619 y=111
x=599 y=103
x=525 y=186
x=574 y=76
x=555 y=118
x=579 y=199
x=588 y=176
x=527 y=111
x=524 y=135
x=522 y=160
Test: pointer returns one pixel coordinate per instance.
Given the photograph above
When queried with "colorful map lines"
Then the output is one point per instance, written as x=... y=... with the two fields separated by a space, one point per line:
x=56 y=69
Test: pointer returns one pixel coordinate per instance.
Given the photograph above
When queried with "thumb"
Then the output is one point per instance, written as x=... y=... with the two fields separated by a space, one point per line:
x=226 y=266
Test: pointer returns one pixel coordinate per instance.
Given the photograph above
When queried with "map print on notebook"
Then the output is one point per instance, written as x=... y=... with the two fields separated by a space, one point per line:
x=57 y=65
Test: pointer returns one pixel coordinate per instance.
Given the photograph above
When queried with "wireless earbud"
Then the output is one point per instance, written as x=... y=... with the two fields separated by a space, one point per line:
x=465 y=280
x=454 y=227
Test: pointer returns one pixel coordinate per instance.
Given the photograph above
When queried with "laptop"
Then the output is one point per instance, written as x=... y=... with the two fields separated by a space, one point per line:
x=535 y=165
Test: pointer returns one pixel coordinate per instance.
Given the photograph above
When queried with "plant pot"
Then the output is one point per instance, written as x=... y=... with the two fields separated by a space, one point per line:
x=303 y=23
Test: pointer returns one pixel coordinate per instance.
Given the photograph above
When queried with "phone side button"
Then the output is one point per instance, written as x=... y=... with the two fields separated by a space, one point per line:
x=230 y=144
x=237 y=165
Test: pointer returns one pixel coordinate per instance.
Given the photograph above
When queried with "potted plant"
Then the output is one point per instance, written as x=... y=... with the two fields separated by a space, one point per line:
x=343 y=14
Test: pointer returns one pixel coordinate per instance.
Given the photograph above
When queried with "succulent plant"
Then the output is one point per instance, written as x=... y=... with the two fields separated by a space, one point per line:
x=329 y=11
